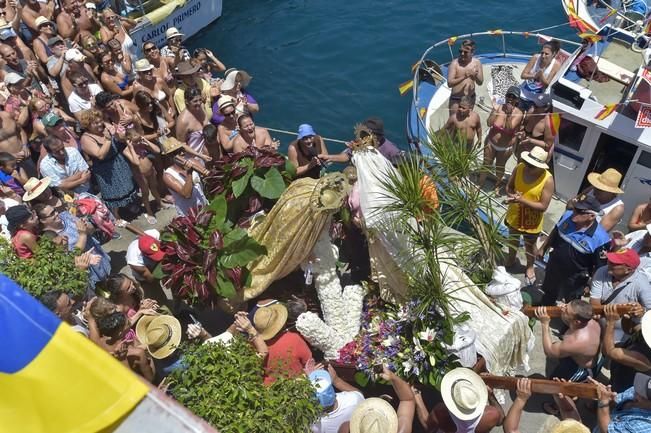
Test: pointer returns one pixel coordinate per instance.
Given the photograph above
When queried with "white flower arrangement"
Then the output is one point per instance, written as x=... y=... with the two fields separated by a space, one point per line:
x=341 y=308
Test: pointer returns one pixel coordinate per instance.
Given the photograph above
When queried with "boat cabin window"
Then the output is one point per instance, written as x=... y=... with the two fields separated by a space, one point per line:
x=571 y=134
x=645 y=159
x=610 y=152
x=135 y=8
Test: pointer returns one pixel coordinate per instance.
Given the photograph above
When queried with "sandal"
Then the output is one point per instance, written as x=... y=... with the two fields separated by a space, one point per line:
x=150 y=219
x=121 y=223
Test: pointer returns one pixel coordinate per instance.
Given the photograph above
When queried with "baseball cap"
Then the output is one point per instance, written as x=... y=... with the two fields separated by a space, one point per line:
x=626 y=256
x=642 y=385
x=513 y=90
x=13 y=78
x=542 y=100
x=305 y=130
x=90 y=5
x=150 y=248
x=588 y=202
x=54 y=40
x=7 y=34
x=325 y=392
x=50 y=119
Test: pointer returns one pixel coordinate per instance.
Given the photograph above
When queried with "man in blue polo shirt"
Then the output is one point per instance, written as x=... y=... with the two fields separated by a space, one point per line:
x=579 y=244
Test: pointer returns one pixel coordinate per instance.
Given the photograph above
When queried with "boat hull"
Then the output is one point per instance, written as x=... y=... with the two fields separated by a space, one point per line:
x=189 y=19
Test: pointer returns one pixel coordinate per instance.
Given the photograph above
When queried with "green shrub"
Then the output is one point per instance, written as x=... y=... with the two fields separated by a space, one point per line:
x=224 y=385
x=50 y=268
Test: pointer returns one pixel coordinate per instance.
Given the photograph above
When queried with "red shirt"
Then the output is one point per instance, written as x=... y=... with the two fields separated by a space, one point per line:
x=288 y=354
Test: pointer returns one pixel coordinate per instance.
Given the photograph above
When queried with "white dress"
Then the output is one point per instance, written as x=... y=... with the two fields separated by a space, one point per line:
x=503 y=335
x=197 y=198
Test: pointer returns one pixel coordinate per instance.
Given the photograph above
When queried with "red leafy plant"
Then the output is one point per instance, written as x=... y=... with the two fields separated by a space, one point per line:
x=206 y=255
x=251 y=181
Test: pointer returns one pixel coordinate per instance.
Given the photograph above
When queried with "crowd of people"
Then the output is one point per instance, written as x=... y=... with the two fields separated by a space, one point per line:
x=88 y=124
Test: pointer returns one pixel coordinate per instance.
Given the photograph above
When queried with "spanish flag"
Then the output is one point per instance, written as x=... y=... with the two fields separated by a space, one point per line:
x=554 y=123
x=576 y=21
x=606 y=111
x=53 y=379
x=452 y=40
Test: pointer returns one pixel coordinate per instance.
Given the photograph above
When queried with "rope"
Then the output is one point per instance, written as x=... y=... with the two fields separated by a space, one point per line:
x=548 y=28
x=282 y=131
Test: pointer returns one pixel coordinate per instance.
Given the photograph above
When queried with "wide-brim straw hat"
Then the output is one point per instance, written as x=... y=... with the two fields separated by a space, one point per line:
x=646 y=328
x=143 y=65
x=186 y=68
x=464 y=393
x=607 y=181
x=169 y=145
x=536 y=157
x=569 y=426
x=231 y=75
x=374 y=415
x=35 y=187
x=161 y=334
x=270 y=320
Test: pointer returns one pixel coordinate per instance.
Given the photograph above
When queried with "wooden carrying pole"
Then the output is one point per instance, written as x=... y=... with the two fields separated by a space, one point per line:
x=556 y=311
x=544 y=386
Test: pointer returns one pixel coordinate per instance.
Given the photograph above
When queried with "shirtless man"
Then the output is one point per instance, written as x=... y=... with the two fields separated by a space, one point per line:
x=32 y=10
x=464 y=122
x=464 y=73
x=88 y=21
x=579 y=347
x=251 y=135
x=11 y=9
x=67 y=24
x=191 y=121
x=12 y=138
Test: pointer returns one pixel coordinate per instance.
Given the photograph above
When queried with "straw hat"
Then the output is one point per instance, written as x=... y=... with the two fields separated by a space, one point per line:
x=570 y=426
x=169 y=145
x=35 y=187
x=186 y=68
x=231 y=75
x=607 y=181
x=464 y=393
x=161 y=334
x=536 y=157
x=40 y=20
x=646 y=328
x=143 y=65
x=172 y=32
x=270 y=320
x=224 y=101
x=374 y=415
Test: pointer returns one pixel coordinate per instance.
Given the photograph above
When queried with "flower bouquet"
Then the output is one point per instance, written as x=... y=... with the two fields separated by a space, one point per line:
x=411 y=342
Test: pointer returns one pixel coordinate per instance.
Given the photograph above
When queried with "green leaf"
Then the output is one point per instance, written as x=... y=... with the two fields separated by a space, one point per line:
x=158 y=272
x=247 y=250
x=271 y=186
x=290 y=169
x=239 y=185
x=168 y=236
x=219 y=206
x=361 y=378
x=234 y=236
x=225 y=286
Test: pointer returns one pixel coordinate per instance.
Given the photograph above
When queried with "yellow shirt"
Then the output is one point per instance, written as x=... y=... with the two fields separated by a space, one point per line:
x=523 y=218
x=179 y=97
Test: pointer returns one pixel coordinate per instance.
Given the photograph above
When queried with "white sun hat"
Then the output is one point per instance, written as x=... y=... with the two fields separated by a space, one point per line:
x=464 y=393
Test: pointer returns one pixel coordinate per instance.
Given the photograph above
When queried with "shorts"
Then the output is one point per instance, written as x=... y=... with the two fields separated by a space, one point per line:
x=530 y=237
x=569 y=370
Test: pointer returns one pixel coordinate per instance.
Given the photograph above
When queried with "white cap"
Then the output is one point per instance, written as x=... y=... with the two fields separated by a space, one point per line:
x=74 y=55
x=90 y=5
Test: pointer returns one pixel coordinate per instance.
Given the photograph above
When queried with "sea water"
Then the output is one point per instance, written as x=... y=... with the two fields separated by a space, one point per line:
x=333 y=63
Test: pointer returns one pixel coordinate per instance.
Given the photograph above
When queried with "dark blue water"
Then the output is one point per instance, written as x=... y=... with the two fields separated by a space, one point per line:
x=334 y=63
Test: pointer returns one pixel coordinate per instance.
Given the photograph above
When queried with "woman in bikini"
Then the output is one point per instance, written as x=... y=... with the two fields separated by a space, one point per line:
x=140 y=152
x=112 y=80
x=162 y=69
x=153 y=85
x=504 y=122
x=117 y=27
x=251 y=136
x=536 y=130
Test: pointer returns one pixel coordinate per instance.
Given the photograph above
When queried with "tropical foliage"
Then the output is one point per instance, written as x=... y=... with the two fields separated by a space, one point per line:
x=224 y=385
x=50 y=268
x=251 y=181
x=206 y=255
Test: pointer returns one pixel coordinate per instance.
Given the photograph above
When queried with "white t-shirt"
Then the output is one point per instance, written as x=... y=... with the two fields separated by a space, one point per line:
x=134 y=255
x=346 y=403
x=77 y=103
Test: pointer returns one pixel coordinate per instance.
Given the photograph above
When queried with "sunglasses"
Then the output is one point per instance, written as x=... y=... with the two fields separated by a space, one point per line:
x=81 y=83
x=50 y=25
x=231 y=114
x=149 y=49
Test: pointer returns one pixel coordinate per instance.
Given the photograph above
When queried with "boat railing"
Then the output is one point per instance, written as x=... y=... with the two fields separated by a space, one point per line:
x=506 y=51
x=632 y=18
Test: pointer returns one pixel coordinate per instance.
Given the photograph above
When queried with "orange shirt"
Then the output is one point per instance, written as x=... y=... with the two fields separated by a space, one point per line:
x=288 y=354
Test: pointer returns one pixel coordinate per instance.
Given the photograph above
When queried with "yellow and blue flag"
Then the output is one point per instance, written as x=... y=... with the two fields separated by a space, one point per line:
x=53 y=379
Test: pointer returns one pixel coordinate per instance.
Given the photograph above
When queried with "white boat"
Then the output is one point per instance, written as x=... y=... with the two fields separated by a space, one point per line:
x=626 y=14
x=585 y=143
x=156 y=16
x=503 y=55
